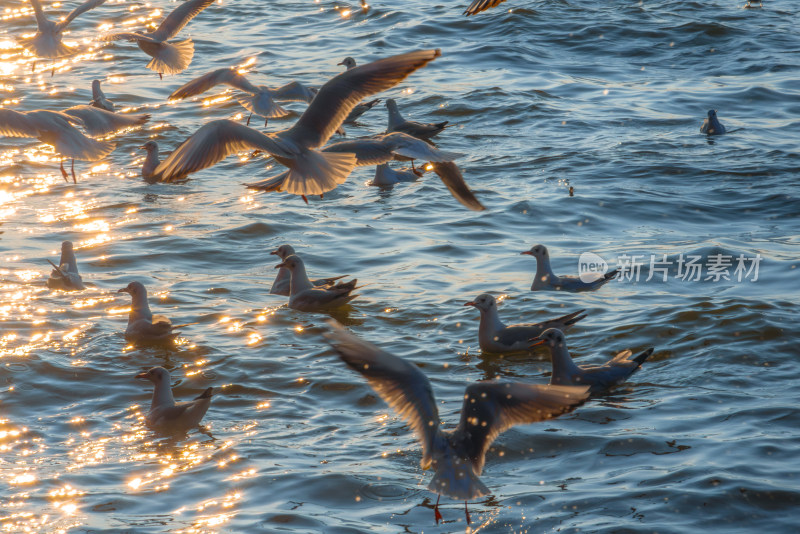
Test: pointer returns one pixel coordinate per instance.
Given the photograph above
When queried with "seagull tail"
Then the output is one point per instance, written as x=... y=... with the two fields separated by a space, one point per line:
x=47 y=46
x=314 y=172
x=169 y=58
x=643 y=356
x=456 y=478
x=274 y=183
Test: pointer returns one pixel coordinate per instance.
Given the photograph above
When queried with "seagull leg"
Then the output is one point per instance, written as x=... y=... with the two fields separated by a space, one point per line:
x=436 y=515
x=160 y=76
x=33 y=66
x=414 y=169
x=265 y=122
x=304 y=198
x=466 y=511
x=248 y=120
x=63 y=172
x=74 y=180
x=52 y=72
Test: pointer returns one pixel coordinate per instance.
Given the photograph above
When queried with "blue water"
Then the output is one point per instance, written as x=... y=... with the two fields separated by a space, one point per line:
x=605 y=97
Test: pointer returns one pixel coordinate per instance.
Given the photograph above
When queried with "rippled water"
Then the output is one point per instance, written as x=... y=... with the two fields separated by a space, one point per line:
x=606 y=97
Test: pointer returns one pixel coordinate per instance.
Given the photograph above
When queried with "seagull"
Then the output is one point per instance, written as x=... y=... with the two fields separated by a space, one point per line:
x=260 y=100
x=143 y=326
x=489 y=408
x=99 y=99
x=47 y=41
x=363 y=107
x=282 y=283
x=305 y=296
x=56 y=129
x=566 y=373
x=98 y=122
x=545 y=279
x=310 y=171
x=496 y=337
x=167 y=415
x=386 y=176
x=384 y=148
x=168 y=58
x=65 y=275
x=419 y=130
x=481 y=5
x=151 y=161
x=711 y=125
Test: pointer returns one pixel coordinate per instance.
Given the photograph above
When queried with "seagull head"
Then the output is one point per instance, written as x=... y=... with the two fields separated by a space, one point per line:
x=348 y=62
x=391 y=104
x=66 y=246
x=95 y=85
x=484 y=302
x=156 y=375
x=283 y=251
x=133 y=289
x=291 y=262
x=537 y=251
x=150 y=146
x=712 y=113
x=553 y=337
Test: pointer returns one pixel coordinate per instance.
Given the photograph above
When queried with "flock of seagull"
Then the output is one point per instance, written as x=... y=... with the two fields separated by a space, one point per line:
x=314 y=167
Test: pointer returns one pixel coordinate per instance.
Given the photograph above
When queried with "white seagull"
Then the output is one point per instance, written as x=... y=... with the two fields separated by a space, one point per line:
x=47 y=41
x=310 y=170
x=56 y=129
x=143 y=327
x=600 y=378
x=260 y=99
x=497 y=337
x=283 y=280
x=99 y=122
x=168 y=58
x=386 y=176
x=489 y=408
x=65 y=275
x=546 y=279
x=305 y=296
x=167 y=415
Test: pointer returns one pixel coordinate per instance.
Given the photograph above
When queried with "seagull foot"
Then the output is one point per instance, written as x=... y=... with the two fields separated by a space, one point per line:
x=64 y=173
x=466 y=511
x=248 y=120
x=304 y=198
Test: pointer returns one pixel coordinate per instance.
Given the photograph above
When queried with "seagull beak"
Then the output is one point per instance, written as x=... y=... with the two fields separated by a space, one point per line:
x=280 y=265
x=141 y=375
x=526 y=253
x=470 y=303
x=124 y=290
x=275 y=252
x=142 y=147
x=340 y=63
x=536 y=341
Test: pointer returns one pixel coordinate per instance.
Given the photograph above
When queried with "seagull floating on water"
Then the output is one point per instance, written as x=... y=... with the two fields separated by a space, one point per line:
x=567 y=373
x=711 y=125
x=496 y=337
x=65 y=275
x=167 y=415
x=168 y=58
x=283 y=281
x=310 y=170
x=144 y=327
x=420 y=130
x=47 y=41
x=489 y=408
x=99 y=99
x=386 y=176
x=260 y=100
x=305 y=296
x=56 y=129
x=545 y=279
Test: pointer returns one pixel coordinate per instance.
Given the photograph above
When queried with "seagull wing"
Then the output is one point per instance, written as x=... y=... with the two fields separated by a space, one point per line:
x=213 y=142
x=492 y=407
x=179 y=18
x=451 y=176
x=293 y=92
x=411 y=147
x=337 y=98
x=83 y=8
x=400 y=383
x=127 y=36
x=16 y=124
x=205 y=82
x=98 y=121
x=368 y=151
x=41 y=19
x=481 y=5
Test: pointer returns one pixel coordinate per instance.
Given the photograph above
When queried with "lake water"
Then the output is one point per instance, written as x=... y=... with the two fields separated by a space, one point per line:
x=604 y=97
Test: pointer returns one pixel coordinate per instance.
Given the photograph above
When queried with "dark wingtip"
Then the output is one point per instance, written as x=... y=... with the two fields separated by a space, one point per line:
x=206 y=394
x=640 y=359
